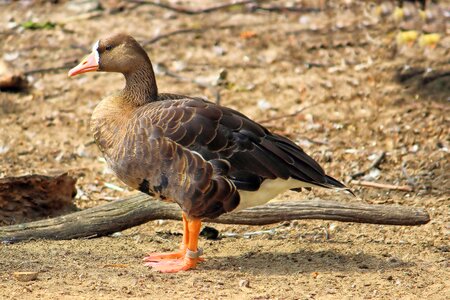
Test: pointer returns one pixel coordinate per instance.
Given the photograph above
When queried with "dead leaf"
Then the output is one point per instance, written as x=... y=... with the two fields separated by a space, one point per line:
x=245 y=35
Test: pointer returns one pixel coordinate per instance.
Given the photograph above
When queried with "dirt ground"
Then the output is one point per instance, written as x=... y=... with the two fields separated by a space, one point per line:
x=341 y=72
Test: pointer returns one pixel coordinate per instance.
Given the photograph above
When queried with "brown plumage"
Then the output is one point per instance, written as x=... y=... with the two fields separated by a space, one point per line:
x=207 y=158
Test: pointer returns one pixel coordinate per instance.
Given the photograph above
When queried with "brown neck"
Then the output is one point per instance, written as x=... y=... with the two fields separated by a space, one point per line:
x=140 y=85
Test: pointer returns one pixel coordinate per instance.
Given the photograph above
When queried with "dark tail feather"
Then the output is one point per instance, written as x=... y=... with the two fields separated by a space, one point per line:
x=333 y=183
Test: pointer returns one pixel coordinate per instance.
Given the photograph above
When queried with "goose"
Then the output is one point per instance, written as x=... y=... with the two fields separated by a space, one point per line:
x=207 y=158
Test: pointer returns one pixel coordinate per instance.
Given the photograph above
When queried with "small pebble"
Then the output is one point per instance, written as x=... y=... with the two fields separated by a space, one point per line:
x=116 y=234
x=244 y=283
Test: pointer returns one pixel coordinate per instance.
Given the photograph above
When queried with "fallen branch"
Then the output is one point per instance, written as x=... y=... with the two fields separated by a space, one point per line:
x=405 y=188
x=122 y=214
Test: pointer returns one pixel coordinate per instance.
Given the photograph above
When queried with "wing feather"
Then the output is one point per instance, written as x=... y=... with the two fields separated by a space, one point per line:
x=212 y=151
x=217 y=132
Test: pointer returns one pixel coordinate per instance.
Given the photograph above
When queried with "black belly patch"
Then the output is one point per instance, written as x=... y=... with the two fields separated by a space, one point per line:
x=164 y=183
x=144 y=186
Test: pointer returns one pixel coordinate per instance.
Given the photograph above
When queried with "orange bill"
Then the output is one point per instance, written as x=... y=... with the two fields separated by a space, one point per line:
x=89 y=64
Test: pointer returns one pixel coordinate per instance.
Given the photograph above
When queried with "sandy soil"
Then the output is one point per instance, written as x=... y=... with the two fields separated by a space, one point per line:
x=353 y=107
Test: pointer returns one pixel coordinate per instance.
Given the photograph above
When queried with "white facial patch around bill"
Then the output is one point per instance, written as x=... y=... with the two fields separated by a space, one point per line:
x=95 y=51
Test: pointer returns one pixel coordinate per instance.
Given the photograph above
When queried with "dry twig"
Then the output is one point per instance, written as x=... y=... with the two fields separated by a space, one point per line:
x=426 y=75
x=188 y=11
x=160 y=68
x=50 y=69
x=405 y=188
x=196 y=30
x=375 y=164
x=81 y=17
x=434 y=76
x=255 y=5
x=276 y=118
x=172 y=33
x=410 y=179
x=280 y=8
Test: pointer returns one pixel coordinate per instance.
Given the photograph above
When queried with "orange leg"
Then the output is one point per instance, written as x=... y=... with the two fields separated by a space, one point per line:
x=155 y=257
x=175 y=262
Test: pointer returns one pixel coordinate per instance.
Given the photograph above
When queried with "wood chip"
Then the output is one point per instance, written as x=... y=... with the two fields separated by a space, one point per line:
x=116 y=266
x=25 y=276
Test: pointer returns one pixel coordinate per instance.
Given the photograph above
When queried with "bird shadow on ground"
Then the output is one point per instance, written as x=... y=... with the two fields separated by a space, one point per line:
x=255 y=263
x=303 y=261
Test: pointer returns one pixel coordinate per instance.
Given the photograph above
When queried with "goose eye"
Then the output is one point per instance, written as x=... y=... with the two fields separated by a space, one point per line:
x=109 y=47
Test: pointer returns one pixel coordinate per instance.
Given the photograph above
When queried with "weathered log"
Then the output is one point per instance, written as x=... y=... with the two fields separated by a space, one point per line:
x=136 y=210
x=31 y=197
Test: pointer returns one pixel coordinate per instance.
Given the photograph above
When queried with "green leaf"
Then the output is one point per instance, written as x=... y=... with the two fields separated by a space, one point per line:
x=36 y=25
